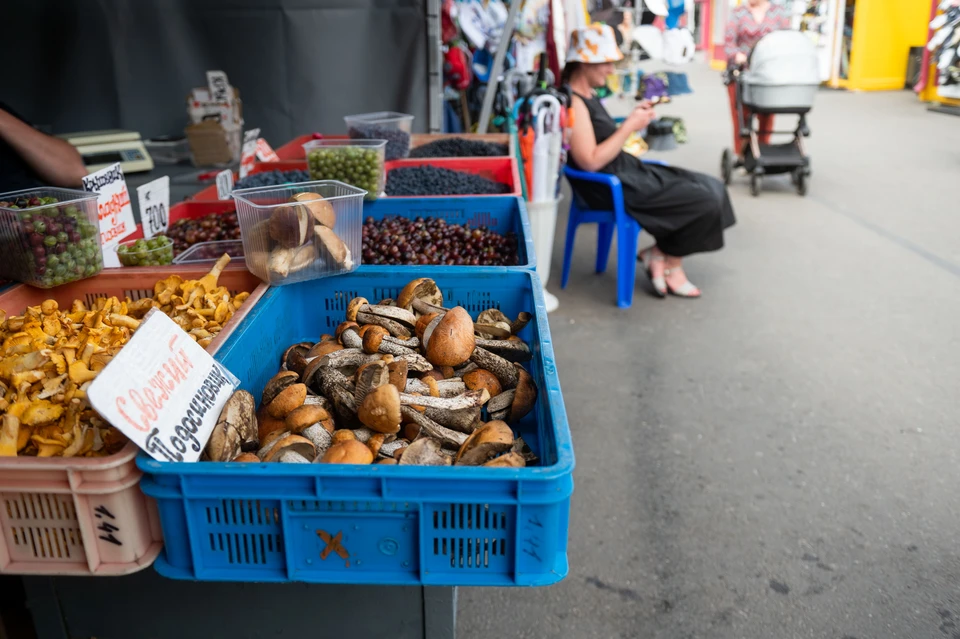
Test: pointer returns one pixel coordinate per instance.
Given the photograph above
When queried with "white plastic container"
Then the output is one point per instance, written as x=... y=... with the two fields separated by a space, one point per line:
x=391 y=126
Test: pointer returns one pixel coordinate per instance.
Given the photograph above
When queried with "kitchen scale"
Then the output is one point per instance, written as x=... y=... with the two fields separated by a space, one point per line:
x=103 y=148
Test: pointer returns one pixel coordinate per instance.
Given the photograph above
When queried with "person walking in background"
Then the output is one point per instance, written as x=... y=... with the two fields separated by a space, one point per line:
x=747 y=24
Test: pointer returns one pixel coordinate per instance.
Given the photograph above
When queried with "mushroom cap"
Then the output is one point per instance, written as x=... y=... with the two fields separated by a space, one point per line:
x=525 y=396
x=267 y=443
x=287 y=400
x=353 y=307
x=491 y=439
x=422 y=288
x=294 y=358
x=380 y=409
x=295 y=443
x=342 y=326
x=449 y=338
x=422 y=323
x=246 y=457
x=343 y=435
x=290 y=226
x=483 y=379
x=304 y=416
x=320 y=209
x=240 y=411
x=397 y=371
x=276 y=384
x=224 y=442
x=323 y=348
x=426 y=451
x=375 y=442
x=508 y=460
x=437 y=375
x=334 y=245
x=372 y=337
x=387 y=461
x=347 y=452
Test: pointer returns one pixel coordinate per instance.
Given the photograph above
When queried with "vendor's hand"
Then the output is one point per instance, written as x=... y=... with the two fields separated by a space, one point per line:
x=641 y=116
x=740 y=57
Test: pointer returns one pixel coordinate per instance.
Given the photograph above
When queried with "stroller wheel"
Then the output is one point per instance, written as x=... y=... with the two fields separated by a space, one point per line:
x=756 y=181
x=800 y=179
x=726 y=166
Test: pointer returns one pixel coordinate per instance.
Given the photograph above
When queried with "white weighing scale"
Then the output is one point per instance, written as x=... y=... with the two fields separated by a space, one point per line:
x=103 y=148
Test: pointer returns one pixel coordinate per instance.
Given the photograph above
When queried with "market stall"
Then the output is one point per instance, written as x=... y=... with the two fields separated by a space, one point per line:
x=938 y=83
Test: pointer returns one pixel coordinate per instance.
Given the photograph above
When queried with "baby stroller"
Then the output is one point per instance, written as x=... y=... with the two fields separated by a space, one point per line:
x=783 y=78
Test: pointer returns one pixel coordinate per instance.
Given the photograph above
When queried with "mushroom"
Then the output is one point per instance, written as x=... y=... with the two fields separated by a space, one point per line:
x=448 y=339
x=290 y=226
x=508 y=460
x=9 y=434
x=430 y=428
x=287 y=400
x=268 y=442
x=492 y=323
x=486 y=442
x=343 y=435
x=387 y=461
x=397 y=373
x=284 y=261
x=320 y=209
x=276 y=384
x=421 y=296
x=224 y=442
x=292 y=449
x=422 y=323
x=323 y=348
x=518 y=324
x=393 y=313
x=380 y=409
x=445 y=387
x=240 y=412
x=397 y=329
x=369 y=377
x=246 y=457
x=335 y=247
x=513 y=350
x=319 y=436
x=505 y=371
x=424 y=452
x=482 y=379
x=305 y=416
x=525 y=396
x=376 y=442
x=374 y=341
x=294 y=358
x=348 y=452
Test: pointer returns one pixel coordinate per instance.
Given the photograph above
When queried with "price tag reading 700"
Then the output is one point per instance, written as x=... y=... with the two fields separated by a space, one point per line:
x=154 y=206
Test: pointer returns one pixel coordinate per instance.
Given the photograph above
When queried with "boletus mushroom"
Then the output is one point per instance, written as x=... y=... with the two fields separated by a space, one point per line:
x=380 y=409
x=482 y=379
x=483 y=444
x=320 y=209
x=348 y=452
x=236 y=429
x=287 y=400
x=421 y=296
x=292 y=449
x=508 y=460
x=426 y=451
x=276 y=384
x=290 y=226
x=448 y=339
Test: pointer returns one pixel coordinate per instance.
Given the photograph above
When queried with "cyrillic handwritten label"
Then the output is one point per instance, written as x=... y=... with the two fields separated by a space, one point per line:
x=154 y=206
x=163 y=391
x=114 y=209
x=224 y=184
x=265 y=152
x=248 y=152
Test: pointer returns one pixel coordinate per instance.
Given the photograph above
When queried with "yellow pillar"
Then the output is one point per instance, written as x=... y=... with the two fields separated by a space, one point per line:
x=883 y=32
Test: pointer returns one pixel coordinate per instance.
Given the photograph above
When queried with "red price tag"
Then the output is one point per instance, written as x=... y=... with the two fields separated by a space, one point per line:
x=265 y=152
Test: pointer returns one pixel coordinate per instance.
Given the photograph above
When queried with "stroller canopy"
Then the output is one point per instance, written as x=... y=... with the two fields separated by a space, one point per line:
x=783 y=58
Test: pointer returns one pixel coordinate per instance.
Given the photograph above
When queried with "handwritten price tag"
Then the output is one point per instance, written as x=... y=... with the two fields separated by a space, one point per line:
x=114 y=209
x=224 y=184
x=265 y=152
x=163 y=391
x=154 y=206
x=248 y=152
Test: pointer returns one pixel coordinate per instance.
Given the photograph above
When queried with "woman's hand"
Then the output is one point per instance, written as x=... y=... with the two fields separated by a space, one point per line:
x=641 y=116
x=740 y=57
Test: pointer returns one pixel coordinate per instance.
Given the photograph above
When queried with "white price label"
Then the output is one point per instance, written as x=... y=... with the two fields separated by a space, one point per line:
x=265 y=152
x=113 y=208
x=163 y=391
x=224 y=184
x=154 y=206
x=219 y=87
x=248 y=152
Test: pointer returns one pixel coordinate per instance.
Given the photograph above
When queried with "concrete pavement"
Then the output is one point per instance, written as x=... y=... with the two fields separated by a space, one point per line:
x=779 y=458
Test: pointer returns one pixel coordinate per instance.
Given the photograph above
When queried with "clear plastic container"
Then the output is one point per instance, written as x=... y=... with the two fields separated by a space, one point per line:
x=168 y=150
x=358 y=163
x=287 y=240
x=384 y=125
x=157 y=251
x=210 y=251
x=47 y=243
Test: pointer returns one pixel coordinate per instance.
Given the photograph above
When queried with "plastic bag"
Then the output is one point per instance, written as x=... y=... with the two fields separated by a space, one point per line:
x=678 y=46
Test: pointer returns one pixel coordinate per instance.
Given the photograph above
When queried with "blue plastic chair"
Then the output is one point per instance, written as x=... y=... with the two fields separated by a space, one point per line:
x=617 y=220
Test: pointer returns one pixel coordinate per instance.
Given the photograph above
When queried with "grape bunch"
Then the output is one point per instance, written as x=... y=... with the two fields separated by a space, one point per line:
x=431 y=180
x=398 y=240
x=398 y=140
x=458 y=148
x=272 y=178
x=157 y=251
x=209 y=228
x=357 y=166
x=58 y=243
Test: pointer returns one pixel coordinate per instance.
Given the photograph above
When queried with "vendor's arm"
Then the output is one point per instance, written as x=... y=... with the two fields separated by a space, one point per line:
x=591 y=156
x=56 y=161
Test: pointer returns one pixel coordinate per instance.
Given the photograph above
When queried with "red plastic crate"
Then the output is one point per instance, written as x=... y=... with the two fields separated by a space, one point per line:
x=498 y=169
x=190 y=210
x=209 y=194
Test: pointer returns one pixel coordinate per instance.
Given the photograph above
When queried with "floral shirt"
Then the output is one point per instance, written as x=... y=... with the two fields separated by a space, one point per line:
x=743 y=32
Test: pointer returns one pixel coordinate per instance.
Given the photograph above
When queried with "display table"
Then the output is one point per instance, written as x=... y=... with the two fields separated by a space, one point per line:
x=147 y=605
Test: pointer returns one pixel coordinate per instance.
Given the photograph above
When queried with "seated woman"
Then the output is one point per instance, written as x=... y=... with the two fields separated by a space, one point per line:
x=685 y=212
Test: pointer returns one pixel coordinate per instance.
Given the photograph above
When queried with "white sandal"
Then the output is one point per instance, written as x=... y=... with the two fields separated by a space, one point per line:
x=659 y=284
x=687 y=289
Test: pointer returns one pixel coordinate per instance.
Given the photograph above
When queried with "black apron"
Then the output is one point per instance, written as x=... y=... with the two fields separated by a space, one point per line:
x=685 y=211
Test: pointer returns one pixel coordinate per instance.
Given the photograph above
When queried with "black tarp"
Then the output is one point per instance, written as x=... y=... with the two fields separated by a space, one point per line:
x=300 y=65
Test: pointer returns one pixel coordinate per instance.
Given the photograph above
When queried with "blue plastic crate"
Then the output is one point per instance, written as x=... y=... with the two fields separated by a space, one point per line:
x=373 y=524
x=504 y=215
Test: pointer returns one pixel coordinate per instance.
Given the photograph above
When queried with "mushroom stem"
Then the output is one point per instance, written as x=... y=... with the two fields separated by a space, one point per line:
x=503 y=369
x=464 y=420
x=469 y=399
x=522 y=320
x=447 y=387
x=503 y=401
x=399 y=315
x=292 y=457
x=320 y=438
x=431 y=428
x=389 y=448
x=510 y=350
x=347 y=357
x=411 y=343
x=336 y=386
x=425 y=308
x=393 y=327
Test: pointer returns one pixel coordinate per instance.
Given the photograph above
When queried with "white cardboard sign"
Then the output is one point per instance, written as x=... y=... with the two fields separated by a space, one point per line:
x=265 y=152
x=114 y=209
x=154 y=206
x=163 y=391
x=224 y=184
x=248 y=152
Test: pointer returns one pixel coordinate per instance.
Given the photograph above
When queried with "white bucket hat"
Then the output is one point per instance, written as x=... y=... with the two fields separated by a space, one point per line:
x=595 y=44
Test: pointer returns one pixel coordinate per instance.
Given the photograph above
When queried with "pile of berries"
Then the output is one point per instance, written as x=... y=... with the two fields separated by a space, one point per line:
x=397 y=240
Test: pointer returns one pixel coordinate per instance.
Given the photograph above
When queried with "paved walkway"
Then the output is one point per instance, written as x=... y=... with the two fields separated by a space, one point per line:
x=780 y=458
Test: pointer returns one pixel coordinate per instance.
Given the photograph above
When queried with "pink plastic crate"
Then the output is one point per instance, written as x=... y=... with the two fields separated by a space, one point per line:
x=87 y=516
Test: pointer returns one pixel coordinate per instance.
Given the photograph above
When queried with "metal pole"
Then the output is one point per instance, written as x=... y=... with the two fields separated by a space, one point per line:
x=498 y=66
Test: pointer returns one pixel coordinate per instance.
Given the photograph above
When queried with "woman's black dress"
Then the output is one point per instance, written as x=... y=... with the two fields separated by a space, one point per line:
x=685 y=211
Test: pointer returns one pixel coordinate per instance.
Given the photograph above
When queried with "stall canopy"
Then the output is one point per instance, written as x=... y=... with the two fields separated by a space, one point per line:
x=300 y=65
